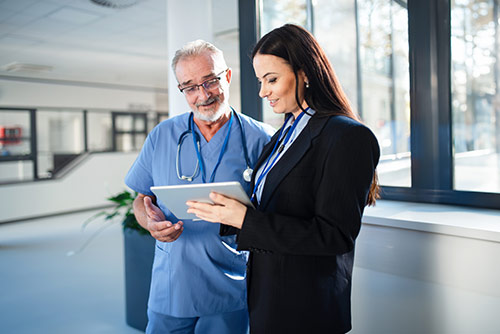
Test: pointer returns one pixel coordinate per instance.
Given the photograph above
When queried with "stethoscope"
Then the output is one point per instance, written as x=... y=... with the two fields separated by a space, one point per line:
x=247 y=173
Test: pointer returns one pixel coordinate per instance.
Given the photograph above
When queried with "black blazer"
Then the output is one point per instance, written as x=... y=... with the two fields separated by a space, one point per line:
x=302 y=234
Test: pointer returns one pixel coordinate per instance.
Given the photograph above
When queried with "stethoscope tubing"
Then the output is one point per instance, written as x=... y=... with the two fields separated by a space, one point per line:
x=196 y=141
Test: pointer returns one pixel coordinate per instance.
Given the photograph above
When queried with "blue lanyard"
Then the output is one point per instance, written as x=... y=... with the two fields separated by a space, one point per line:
x=267 y=168
x=221 y=154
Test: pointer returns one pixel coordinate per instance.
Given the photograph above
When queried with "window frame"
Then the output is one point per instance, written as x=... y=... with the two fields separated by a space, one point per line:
x=432 y=170
x=33 y=156
x=115 y=132
x=32 y=136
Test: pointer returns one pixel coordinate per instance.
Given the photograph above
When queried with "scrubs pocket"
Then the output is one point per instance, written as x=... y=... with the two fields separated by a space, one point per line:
x=164 y=246
x=160 y=296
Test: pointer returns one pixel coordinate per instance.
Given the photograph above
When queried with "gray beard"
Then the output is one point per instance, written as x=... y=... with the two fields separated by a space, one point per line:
x=212 y=117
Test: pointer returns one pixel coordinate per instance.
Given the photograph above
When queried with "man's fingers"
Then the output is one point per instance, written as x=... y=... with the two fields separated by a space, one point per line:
x=147 y=201
x=148 y=205
x=176 y=235
x=152 y=210
x=169 y=234
x=159 y=226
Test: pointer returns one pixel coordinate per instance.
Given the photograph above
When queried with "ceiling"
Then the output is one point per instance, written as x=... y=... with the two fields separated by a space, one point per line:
x=79 y=41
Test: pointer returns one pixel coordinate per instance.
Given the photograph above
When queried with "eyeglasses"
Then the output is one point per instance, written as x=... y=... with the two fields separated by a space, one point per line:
x=210 y=84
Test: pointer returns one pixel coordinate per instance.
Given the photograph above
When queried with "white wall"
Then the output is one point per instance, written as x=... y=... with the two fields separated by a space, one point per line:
x=86 y=186
x=196 y=24
x=215 y=21
x=34 y=94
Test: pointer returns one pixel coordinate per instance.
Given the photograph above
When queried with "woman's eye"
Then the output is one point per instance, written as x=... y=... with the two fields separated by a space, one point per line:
x=272 y=80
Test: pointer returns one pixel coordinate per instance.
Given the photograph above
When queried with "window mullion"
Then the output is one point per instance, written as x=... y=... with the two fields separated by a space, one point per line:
x=429 y=80
x=251 y=104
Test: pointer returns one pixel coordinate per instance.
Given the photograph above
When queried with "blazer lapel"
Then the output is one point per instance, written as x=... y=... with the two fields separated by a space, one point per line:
x=290 y=158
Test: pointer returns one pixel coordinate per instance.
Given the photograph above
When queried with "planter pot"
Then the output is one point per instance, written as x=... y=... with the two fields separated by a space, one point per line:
x=139 y=254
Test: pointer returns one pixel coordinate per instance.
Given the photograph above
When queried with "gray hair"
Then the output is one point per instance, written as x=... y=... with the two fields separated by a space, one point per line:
x=196 y=48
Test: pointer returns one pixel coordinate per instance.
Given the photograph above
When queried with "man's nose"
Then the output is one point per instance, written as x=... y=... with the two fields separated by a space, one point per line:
x=204 y=91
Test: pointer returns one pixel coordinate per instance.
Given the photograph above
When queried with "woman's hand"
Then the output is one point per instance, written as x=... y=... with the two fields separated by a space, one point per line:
x=226 y=210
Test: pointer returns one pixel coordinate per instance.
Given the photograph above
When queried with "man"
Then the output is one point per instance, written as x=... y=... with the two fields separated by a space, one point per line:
x=198 y=283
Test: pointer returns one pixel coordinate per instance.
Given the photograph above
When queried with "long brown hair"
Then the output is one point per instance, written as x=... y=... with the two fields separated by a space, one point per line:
x=325 y=95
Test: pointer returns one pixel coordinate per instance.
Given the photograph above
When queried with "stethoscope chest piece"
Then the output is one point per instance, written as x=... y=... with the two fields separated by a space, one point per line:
x=247 y=174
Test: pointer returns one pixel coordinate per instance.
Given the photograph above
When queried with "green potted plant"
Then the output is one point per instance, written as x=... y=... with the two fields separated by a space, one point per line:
x=122 y=208
x=139 y=248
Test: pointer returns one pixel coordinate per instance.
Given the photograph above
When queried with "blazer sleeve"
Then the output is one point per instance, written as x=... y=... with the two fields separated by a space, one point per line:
x=341 y=196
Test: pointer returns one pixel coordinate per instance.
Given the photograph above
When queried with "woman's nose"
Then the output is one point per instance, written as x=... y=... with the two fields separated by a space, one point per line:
x=263 y=91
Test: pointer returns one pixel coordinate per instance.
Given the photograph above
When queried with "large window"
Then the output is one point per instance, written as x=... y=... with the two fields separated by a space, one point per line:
x=372 y=66
x=367 y=43
x=274 y=14
x=424 y=76
x=476 y=100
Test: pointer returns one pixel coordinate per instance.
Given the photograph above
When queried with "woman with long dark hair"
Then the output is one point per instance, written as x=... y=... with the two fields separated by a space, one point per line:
x=311 y=185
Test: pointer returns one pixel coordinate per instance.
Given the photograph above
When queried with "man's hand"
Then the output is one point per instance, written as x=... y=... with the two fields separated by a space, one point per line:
x=160 y=229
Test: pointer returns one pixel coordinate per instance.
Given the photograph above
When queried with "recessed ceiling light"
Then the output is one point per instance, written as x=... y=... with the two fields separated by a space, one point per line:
x=115 y=3
x=25 y=67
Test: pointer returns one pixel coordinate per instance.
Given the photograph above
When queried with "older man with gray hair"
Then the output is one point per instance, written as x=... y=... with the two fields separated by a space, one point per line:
x=198 y=279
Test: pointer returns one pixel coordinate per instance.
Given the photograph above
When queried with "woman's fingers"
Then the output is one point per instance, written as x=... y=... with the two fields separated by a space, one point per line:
x=222 y=200
x=225 y=210
x=203 y=211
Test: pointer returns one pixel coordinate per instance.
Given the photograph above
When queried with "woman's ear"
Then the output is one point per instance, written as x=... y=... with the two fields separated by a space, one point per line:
x=303 y=78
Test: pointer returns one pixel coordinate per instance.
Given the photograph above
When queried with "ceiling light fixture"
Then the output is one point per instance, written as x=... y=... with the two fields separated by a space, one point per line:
x=25 y=67
x=118 y=4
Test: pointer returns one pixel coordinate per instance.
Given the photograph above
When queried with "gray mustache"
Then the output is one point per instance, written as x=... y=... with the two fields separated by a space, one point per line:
x=207 y=102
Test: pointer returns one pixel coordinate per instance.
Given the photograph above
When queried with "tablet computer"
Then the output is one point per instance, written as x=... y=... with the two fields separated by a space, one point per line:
x=175 y=197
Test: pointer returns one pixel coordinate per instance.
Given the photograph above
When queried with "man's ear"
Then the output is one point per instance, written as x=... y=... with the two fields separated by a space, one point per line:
x=229 y=74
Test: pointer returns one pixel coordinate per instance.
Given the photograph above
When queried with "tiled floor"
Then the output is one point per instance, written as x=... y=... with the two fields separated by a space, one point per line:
x=43 y=290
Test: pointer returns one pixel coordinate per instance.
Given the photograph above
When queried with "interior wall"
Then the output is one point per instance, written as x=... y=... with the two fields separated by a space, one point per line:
x=46 y=94
x=408 y=281
x=86 y=186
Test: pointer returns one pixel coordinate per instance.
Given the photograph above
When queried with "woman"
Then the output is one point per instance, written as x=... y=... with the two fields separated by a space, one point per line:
x=311 y=185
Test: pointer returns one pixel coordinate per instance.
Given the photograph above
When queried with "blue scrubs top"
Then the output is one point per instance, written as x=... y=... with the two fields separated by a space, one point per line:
x=201 y=273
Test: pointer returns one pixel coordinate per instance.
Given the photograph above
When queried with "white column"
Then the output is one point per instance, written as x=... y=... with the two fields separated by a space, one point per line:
x=187 y=20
